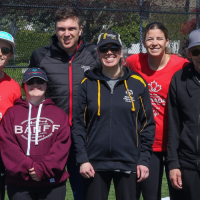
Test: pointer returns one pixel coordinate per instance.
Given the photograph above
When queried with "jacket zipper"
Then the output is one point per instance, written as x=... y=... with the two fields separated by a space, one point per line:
x=70 y=93
x=197 y=143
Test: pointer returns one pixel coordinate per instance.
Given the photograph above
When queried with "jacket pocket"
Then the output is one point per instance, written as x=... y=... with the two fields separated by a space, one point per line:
x=124 y=144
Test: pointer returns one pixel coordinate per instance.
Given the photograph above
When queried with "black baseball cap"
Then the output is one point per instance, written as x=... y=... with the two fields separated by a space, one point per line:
x=34 y=72
x=109 y=37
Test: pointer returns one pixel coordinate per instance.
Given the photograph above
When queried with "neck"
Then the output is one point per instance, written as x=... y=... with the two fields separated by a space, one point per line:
x=158 y=63
x=70 y=51
x=112 y=72
x=35 y=100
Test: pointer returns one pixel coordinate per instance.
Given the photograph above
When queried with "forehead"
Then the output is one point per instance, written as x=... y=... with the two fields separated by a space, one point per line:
x=3 y=43
x=69 y=22
x=155 y=33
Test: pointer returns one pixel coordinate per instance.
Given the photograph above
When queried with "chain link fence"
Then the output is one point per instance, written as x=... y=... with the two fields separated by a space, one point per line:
x=31 y=22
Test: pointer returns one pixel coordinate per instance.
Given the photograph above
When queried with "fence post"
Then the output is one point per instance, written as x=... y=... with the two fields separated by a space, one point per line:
x=140 y=25
x=197 y=14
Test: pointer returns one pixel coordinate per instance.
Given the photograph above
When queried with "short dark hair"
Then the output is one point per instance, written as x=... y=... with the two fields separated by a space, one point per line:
x=65 y=13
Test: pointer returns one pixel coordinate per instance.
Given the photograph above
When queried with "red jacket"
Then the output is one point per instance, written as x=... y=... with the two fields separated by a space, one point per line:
x=22 y=147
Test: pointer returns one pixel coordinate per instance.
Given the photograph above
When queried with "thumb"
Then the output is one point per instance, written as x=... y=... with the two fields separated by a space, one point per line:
x=179 y=180
x=138 y=172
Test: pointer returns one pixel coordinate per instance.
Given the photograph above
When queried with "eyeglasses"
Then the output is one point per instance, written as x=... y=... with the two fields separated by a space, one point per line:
x=38 y=81
x=195 y=52
x=5 y=50
x=104 y=49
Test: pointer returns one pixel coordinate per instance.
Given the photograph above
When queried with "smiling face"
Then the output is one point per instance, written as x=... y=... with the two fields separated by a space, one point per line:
x=36 y=89
x=155 y=43
x=68 y=32
x=110 y=58
x=4 y=57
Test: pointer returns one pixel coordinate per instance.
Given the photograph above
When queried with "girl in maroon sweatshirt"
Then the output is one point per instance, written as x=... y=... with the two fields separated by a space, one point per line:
x=35 y=140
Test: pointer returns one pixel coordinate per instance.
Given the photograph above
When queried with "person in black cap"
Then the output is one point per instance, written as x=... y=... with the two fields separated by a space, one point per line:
x=116 y=144
x=35 y=142
x=184 y=121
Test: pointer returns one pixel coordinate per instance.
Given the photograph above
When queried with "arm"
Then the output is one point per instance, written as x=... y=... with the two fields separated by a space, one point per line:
x=17 y=92
x=14 y=159
x=58 y=153
x=173 y=142
x=147 y=134
x=147 y=131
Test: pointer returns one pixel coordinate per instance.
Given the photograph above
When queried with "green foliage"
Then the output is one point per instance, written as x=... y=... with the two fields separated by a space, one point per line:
x=27 y=41
x=129 y=29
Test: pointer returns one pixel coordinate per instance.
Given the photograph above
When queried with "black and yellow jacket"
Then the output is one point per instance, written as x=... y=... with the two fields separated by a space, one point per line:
x=121 y=127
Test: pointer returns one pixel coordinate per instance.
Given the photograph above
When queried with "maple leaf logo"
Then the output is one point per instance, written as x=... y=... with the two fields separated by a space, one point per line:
x=154 y=87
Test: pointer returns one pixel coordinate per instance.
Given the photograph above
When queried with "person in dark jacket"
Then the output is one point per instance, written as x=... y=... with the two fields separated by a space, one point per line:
x=116 y=140
x=184 y=124
x=35 y=140
x=65 y=60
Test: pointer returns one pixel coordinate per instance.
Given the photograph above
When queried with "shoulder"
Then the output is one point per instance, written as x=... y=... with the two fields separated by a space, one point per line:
x=138 y=79
x=182 y=73
x=179 y=60
x=11 y=82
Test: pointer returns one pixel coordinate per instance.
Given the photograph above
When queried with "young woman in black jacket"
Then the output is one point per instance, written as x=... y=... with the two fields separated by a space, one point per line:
x=113 y=125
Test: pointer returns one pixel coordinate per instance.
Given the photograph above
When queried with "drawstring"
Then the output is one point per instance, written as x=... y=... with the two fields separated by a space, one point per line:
x=98 y=113
x=133 y=106
x=37 y=124
x=29 y=130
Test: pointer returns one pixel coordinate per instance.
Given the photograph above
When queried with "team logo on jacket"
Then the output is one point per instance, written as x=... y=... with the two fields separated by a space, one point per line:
x=85 y=68
x=127 y=98
x=46 y=129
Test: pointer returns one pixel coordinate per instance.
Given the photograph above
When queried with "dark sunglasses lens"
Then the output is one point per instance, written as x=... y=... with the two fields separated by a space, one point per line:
x=38 y=81
x=5 y=50
x=115 y=48
x=195 y=52
x=103 y=49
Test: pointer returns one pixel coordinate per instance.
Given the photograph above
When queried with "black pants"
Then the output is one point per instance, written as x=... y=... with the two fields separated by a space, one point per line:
x=97 y=188
x=2 y=180
x=191 y=184
x=151 y=187
x=30 y=193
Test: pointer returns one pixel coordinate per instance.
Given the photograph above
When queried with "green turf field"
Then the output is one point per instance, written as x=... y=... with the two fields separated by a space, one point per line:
x=69 y=195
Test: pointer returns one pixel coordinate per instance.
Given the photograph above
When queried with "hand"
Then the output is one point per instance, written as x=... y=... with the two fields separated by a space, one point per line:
x=86 y=170
x=175 y=178
x=33 y=174
x=142 y=172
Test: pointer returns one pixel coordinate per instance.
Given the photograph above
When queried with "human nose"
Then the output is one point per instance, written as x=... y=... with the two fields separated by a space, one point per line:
x=67 y=33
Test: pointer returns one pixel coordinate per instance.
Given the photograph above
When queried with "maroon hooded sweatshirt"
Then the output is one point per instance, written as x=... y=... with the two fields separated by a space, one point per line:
x=35 y=136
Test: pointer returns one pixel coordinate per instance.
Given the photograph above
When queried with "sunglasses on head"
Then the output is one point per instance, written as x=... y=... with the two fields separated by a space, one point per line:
x=113 y=48
x=38 y=81
x=195 y=52
x=5 y=50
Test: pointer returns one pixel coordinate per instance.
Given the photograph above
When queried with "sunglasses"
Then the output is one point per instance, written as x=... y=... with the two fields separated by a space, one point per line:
x=38 y=81
x=195 y=52
x=104 y=49
x=5 y=50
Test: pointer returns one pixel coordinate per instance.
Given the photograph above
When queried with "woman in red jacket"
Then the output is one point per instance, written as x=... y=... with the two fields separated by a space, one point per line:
x=157 y=67
x=35 y=142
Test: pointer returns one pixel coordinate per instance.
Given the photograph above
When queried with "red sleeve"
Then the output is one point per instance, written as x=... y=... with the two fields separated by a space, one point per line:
x=58 y=154
x=17 y=93
x=14 y=159
x=132 y=62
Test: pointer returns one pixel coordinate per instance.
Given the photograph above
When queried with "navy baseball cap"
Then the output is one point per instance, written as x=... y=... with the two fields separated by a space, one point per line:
x=34 y=72
x=109 y=37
